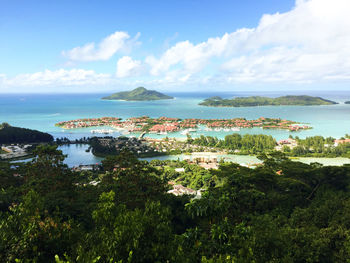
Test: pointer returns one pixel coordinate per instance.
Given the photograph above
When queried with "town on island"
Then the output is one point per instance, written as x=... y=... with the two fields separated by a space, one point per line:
x=164 y=125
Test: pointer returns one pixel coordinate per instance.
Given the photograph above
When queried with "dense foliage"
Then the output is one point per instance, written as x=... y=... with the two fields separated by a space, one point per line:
x=104 y=146
x=264 y=101
x=246 y=144
x=319 y=146
x=9 y=134
x=314 y=146
x=139 y=93
x=282 y=211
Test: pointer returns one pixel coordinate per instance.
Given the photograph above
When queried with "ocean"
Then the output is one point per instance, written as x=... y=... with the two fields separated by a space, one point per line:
x=42 y=111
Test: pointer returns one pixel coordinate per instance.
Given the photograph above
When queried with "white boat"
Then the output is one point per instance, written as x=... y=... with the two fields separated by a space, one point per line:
x=162 y=133
x=226 y=130
x=235 y=129
x=102 y=131
x=184 y=132
x=192 y=130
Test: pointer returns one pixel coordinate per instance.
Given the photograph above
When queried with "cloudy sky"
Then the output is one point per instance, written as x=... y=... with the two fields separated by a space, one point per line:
x=183 y=45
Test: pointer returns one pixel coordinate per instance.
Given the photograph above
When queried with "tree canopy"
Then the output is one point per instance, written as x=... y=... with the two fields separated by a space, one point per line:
x=282 y=211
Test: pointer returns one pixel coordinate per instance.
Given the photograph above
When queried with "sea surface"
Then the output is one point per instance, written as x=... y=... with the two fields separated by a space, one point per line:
x=42 y=111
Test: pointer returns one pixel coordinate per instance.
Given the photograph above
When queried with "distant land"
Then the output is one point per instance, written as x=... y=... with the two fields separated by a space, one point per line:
x=347 y=102
x=9 y=134
x=138 y=94
x=302 y=100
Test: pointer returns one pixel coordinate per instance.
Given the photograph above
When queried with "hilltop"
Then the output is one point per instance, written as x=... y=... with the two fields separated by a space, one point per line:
x=138 y=94
x=302 y=100
x=9 y=134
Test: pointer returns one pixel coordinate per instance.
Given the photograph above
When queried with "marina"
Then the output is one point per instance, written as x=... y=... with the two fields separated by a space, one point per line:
x=102 y=131
x=165 y=125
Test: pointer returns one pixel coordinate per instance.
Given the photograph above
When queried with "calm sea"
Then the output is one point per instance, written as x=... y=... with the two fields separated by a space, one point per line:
x=42 y=111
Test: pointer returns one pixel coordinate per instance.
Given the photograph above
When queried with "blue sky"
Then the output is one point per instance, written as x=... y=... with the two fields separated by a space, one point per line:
x=74 y=46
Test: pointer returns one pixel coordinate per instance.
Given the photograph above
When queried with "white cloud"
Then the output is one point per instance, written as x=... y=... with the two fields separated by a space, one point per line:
x=191 y=57
x=127 y=67
x=118 y=41
x=307 y=44
x=58 y=78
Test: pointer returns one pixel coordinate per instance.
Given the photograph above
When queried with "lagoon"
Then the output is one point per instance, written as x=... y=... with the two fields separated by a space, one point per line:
x=76 y=155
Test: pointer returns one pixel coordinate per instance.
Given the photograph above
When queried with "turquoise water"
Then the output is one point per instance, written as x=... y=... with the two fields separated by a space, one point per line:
x=42 y=111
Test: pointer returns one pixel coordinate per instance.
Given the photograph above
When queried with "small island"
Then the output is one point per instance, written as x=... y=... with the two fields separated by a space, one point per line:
x=302 y=100
x=347 y=102
x=138 y=94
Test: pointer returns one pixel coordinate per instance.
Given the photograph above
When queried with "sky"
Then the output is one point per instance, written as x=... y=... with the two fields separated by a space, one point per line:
x=184 y=45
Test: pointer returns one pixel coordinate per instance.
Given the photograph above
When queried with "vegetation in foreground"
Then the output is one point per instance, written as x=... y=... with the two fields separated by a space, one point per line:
x=282 y=211
x=302 y=100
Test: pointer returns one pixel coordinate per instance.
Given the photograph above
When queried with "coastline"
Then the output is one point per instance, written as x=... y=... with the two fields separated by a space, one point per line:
x=328 y=120
x=77 y=155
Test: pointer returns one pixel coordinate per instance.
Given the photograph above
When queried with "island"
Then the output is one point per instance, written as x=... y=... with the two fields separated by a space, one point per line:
x=164 y=125
x=347 y=102
x=138 y=94
x=301 y=100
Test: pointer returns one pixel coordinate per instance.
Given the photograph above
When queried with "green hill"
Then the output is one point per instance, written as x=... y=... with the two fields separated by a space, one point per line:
x=9 y=134
x=138 y=94
x=302 y=100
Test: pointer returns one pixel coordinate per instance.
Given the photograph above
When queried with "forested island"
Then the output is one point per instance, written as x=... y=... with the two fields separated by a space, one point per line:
x=347 y=102
x=10 y=134
x=138 y=94
x=302 y=100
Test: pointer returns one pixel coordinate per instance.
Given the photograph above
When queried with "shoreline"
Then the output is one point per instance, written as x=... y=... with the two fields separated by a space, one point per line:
x=72 y=159
x=165 y=125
